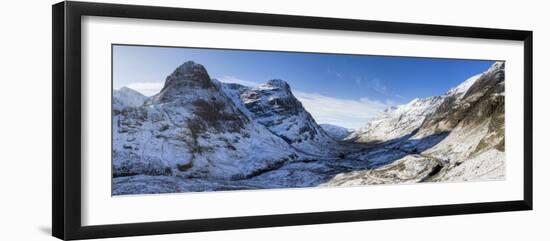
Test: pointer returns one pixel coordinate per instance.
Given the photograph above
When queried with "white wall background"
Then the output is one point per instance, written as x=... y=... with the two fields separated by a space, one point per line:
x=25 y=123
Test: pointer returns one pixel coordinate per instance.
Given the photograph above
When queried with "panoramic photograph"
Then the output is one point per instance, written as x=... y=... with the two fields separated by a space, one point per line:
x=205 y=120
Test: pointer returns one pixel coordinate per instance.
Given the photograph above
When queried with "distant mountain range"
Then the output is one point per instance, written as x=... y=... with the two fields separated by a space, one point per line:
x=198 y=134
x=336 y=132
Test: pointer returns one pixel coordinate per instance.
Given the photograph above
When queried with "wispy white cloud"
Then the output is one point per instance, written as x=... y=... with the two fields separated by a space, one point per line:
x=377 y=86
x=343 y=112
x=146 y=88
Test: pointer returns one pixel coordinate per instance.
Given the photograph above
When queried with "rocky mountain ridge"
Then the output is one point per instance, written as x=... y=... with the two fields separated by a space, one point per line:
x=192 y=129
x=273 y=105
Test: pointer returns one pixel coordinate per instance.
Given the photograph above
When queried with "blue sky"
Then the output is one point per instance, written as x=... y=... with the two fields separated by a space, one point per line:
x=356 y=87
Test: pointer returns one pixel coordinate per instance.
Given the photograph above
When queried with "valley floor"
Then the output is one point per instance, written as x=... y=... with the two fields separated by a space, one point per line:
x=356 y=164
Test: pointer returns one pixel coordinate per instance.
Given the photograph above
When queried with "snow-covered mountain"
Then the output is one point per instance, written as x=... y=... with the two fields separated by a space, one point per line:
x=476 y=129
x=483 y=94
x=126 y=97
x=336 y=132
x=402 y=120
x=458 y=136
x=192 y=128
x=397 y=122
x=273 y=105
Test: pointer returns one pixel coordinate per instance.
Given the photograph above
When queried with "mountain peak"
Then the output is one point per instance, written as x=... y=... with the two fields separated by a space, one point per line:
x=498 y=65
x=460 y=90
x=187 y=79
x=127 y=97
x=189 y=73
x=278 y=83
x=273 y=105
x=189 y=65
x=125 y=89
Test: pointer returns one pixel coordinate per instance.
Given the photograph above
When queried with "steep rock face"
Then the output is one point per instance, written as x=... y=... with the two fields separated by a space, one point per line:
x=191 y=128
x=234 y=91
x=273 y=105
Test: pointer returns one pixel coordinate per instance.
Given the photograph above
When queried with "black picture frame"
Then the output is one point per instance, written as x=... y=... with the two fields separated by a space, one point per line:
x=66 y=128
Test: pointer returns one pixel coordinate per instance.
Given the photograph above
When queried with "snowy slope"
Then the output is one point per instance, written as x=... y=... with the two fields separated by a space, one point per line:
x=398 y=121
x=192 y=129
x=460 y=90
x=273 y=105
x=461 y=140
x=126 y=97
x=402 y=120
x=484 y=94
